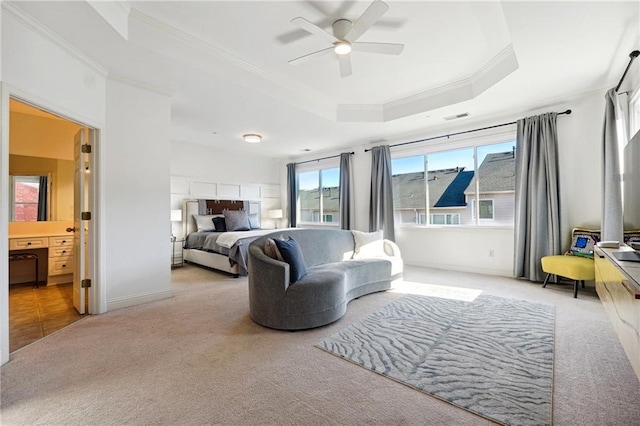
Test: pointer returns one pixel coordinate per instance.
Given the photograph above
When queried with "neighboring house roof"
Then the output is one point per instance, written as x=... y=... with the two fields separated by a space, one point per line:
x=409 y=189
x=453 y=196
x=330 y=199
x=497 y=173
x=447 y=187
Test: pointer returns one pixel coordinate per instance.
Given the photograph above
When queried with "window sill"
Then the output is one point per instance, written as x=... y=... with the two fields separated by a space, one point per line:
x=454 y=227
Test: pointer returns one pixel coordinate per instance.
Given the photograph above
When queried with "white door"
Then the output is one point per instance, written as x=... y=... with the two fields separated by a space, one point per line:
x=78 y=225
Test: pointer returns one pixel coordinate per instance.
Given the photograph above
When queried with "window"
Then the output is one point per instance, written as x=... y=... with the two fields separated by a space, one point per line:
x=486 y=209
x=455 y=181
x=319 y=196
x=444 y=219
x=25 y=192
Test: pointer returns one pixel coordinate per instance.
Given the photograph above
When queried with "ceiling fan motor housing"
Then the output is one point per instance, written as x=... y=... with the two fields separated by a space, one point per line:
x=341 y=27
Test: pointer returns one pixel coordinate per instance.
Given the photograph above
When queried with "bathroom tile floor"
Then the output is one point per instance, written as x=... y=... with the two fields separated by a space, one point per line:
x=38 y=312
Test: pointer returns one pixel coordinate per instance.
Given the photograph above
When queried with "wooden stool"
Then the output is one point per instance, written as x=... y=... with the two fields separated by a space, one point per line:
x=576 y=268
x=26 y=256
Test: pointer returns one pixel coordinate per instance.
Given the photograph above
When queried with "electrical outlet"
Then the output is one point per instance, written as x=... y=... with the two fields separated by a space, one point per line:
x=492 y=253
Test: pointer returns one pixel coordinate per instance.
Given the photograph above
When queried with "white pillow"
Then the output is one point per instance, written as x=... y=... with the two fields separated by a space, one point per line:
x=368 y=244
x=204 y=222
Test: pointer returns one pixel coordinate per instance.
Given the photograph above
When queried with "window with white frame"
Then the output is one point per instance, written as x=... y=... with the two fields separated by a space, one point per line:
x=25 y=194
x=319 y=196
x=446 y=185
x=486 y=209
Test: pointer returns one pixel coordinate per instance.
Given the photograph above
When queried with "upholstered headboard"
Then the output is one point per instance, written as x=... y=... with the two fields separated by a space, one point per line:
x=192 y=207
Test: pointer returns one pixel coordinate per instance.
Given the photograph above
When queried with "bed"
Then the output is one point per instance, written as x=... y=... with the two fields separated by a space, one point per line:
x=224 y=251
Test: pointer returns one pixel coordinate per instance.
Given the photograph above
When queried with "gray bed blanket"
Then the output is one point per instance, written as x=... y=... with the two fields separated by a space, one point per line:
x=206 y=241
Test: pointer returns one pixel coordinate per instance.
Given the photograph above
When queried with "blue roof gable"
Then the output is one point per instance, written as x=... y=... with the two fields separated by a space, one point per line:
x=453 y=196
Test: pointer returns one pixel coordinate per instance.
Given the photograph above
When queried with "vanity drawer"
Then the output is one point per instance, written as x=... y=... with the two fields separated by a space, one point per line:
x=61 y=266
x=65 y=241
x=60 y=252
x=28 y=243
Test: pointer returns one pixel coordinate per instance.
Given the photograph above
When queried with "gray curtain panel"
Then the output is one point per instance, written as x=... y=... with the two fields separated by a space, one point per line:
x=292 y=194
x=381 y=200
x=346 y=184
x=611 y=225
x=537 y=204
x=42 y=199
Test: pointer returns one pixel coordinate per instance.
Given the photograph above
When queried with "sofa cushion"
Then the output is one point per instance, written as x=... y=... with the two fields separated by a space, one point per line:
x=368 y=244
x=321 y=289
x=292 y=254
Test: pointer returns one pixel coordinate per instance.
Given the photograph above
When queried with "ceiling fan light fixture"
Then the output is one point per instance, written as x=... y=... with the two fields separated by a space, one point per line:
x=252 y=138
x=342 y=47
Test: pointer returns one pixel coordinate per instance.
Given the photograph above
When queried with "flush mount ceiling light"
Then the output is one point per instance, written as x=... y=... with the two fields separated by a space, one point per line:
x=252 y=138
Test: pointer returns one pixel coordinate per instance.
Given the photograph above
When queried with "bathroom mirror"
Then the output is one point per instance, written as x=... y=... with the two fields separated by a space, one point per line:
x=41 y=189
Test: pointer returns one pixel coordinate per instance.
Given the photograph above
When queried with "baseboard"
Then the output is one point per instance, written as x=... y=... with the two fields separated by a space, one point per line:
x=461 y=268
x=139 y=299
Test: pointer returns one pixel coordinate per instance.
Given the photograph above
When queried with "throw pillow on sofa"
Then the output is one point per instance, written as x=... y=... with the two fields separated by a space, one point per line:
x=271 y=250
x=292 y=254
x=368 y=244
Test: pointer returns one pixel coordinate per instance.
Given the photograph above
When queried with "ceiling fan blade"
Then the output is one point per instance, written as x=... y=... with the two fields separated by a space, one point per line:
x=345 y=65
x=313 y=29
x=368 y=18
x=312 y=55
x=384 y=48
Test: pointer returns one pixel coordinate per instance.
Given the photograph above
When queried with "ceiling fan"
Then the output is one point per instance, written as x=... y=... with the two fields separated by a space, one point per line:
x=345 y=36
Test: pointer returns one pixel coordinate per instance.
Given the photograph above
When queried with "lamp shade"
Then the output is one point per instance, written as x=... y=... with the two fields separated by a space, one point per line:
x=176 y=215
x=275 y=214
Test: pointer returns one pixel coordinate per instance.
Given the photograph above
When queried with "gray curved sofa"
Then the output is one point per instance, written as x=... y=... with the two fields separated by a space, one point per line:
x=333 y=279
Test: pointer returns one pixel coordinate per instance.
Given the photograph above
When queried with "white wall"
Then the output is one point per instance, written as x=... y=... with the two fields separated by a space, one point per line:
x=136 y=196
x=133 y=163
x=205 y=164
x=39 y=70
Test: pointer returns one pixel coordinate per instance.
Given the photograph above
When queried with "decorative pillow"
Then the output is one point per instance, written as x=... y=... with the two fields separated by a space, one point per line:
x=219 y=223
x=583 y=241
x=236 y=220
x=368 y=244
x=271 y=250
x=204 y=222
x=254 y=221
x=292 y=254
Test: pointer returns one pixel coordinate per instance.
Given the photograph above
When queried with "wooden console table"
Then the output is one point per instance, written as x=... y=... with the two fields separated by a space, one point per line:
x=618 y=286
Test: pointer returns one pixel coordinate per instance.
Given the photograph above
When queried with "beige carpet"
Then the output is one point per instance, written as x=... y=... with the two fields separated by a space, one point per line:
x=199 y=359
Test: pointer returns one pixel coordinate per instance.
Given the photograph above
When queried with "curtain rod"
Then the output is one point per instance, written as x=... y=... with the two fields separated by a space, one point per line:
x=324 y=158
x=632 y=56
x=461 y=133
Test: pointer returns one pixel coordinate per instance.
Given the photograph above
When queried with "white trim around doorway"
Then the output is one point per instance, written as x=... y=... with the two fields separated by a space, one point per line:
x=97 y=292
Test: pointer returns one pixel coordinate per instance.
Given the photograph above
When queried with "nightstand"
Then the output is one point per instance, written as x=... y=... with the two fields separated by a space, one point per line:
x=177 y=258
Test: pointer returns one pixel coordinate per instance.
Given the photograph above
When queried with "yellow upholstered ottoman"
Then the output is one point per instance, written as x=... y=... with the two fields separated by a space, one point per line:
x=576 y=268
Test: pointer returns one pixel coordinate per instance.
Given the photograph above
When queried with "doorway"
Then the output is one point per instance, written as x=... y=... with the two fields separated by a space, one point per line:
x=44 y=208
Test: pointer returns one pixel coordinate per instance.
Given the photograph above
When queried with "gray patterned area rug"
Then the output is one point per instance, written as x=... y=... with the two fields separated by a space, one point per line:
x=492 y=356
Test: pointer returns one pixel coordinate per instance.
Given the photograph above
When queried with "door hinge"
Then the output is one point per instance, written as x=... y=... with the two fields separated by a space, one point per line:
x=85 y=283
x=86 y=149
x=85 y=215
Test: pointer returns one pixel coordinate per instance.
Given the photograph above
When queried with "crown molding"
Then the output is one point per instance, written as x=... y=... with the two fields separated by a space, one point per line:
x=498 y=68
x=220 y=55
x=29 y=22
x=164 y=91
